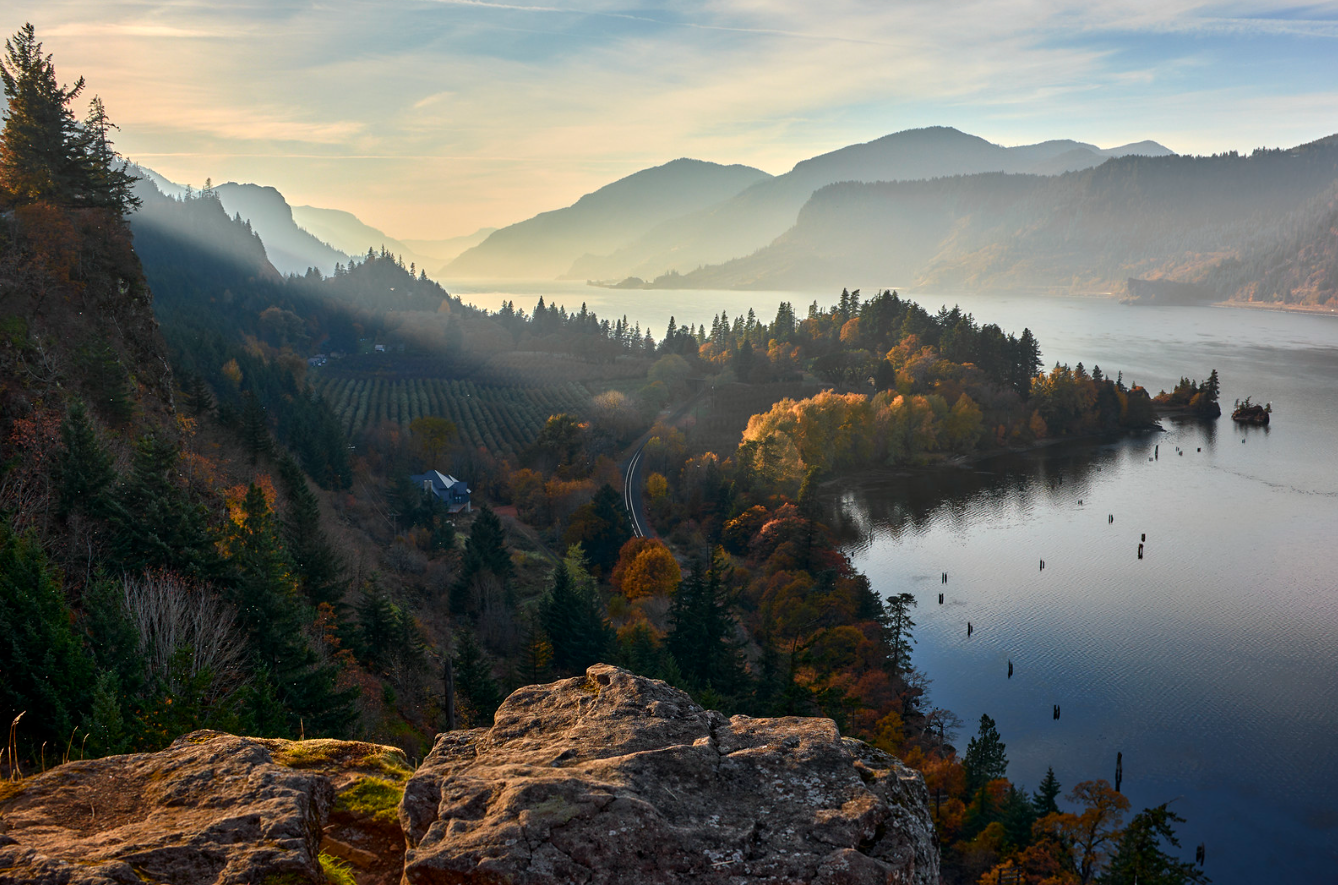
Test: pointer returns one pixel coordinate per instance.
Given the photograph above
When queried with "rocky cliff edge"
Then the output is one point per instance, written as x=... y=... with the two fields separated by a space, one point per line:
x=602 y=778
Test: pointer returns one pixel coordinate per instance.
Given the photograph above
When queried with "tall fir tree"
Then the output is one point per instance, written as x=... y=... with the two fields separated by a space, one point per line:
x=269 y=610
x=155 y=523
x=255 y=433
x=572 y=615
x=702 y=632
x=1140 y=858
x=985 y=759
x=45 y=672
x=84 y=470
x=317 y=564
x=1045 y=799
x=40 y=147
x=899 y=631
x=601 y=528
x=485 y=551
x=474 y=682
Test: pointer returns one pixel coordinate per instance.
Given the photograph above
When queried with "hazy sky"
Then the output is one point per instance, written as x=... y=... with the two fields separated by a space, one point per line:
x=435 y=118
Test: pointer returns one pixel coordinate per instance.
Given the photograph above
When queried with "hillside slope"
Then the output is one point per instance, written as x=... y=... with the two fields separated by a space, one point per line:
x=1179 y=217
x=755 y=217
x=545 y=246
x=290 y=248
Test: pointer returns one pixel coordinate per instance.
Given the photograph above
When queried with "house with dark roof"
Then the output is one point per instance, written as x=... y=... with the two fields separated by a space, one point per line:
x=452 y=492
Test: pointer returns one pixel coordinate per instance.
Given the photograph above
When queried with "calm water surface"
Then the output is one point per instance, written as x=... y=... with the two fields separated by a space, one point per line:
x=1212 y=664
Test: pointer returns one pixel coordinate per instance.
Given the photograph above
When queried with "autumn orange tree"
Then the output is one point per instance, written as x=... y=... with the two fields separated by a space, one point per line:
x=645 y=568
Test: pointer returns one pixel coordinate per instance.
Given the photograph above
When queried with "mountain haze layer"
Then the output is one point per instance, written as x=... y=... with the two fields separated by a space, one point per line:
x=290 y=248
x=749 y=221
x=1219 y=221
x=544 y=247
x=348 y=233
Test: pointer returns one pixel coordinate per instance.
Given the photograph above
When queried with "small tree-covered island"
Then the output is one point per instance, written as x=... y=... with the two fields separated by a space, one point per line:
x=449 y=589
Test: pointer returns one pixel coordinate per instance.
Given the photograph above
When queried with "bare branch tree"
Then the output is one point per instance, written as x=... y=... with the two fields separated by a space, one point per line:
x=175 y=616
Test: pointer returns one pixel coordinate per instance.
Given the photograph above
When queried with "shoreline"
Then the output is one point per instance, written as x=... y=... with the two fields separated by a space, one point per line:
x=1312 y=309
x=965 y=462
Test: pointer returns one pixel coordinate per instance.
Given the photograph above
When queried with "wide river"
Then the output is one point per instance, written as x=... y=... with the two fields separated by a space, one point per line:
x=1211 y=663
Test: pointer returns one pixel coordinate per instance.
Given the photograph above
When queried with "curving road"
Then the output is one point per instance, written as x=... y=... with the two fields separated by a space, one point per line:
x=636 y=508
x=632 y=481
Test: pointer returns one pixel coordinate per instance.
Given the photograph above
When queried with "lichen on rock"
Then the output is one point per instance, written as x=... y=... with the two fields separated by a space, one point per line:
x=612 y=777
x=604 y=778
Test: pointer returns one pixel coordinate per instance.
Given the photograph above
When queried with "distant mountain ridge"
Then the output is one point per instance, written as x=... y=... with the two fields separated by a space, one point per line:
x=348 y=233
x=298 y=237
x=753 y=218
x=544 y=247
x=1242 y=226
x=290 y=248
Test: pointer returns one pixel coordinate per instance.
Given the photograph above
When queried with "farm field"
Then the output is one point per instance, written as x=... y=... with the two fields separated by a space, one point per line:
x=504 y=419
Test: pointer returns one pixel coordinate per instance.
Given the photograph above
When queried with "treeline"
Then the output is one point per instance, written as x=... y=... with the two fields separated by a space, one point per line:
x=581 y=333
x=933 y=406
x=846 y=342
x=1195 y=397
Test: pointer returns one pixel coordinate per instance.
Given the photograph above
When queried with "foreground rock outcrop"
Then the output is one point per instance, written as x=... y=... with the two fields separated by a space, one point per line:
x=604 y=778
x=211 y=808
x=612 y=777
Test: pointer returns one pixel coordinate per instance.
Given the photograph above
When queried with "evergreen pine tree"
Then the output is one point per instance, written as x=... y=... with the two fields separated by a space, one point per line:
x=154 y=522
x=318 y=567
x=1044 y=799
x=899 y=627
x=377 y=628
x=601 y=528
x=1140 y=860
x=40 y=147
x=198 y=395
x=572 y=616
x=485 y=550
x=474 y=683
x=985 y=759
x=84 y=471
x=536 y=653
x=43 y=668
x=269 y=611
x=255 y=434
x=1017 y=815
x=702 y=631
x=109 y=185
x=1212 y=388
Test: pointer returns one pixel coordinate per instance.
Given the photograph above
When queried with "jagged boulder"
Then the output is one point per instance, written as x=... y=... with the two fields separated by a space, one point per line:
x=612 y=777
x=211 y=809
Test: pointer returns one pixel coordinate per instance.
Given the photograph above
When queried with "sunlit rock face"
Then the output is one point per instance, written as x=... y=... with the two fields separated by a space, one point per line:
x=612 y=777
x=604 y=778
x=211 y=809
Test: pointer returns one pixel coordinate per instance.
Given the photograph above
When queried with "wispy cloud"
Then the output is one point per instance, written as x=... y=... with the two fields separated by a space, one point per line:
x=436 y=116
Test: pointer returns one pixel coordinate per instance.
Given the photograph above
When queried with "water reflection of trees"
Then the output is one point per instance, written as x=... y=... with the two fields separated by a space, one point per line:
x=900 y=504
